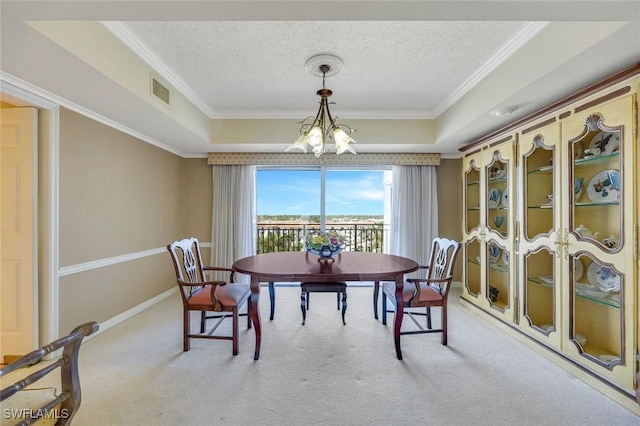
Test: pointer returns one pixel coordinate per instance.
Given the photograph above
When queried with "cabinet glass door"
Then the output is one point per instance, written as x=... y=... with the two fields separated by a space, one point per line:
x=598 y=321
x=539 y=193
x=472 y=197
x=473 y=269
x=497 y=205
x=598 y=243
x=539 y=298
x=498 y=222
x=539 y=232
x=597 y=216
x=498 y=276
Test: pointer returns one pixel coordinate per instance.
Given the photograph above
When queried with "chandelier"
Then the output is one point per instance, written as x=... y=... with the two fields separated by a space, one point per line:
x=314 y=131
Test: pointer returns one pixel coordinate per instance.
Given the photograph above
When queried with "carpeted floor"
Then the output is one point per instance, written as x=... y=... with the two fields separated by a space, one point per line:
x=325 y=373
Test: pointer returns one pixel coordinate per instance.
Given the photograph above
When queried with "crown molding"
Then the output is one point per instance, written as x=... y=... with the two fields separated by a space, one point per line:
x=121 y=31
x=512 y=46
x=57 y=100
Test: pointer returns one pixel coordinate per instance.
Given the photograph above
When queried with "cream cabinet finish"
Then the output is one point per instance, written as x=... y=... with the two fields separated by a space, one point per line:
x=570 y=228
x=539 y=258
x=488 y=235
x=602 y=318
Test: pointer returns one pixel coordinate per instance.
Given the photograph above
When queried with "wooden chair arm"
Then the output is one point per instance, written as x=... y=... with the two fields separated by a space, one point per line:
x=201 y=284
x=437 y=282
x=217 y=306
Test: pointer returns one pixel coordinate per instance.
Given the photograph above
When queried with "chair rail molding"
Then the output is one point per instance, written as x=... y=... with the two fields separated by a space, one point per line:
x=109 y=261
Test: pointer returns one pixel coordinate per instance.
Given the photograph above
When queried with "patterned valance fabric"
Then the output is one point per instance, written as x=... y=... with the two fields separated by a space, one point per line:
x=288 y=159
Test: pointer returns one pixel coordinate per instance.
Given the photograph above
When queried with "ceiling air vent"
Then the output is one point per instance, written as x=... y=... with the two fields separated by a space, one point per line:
x=159 y=91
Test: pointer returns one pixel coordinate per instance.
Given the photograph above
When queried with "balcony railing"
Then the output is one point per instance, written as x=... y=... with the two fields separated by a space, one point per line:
x=290 y=237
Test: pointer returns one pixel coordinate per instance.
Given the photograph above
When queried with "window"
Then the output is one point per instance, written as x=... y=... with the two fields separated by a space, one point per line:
x=292 y=201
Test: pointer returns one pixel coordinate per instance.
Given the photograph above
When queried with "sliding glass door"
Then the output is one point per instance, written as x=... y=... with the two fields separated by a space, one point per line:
x=292 y=201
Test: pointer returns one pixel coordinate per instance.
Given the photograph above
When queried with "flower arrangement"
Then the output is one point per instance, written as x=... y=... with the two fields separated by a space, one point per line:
x=324 y=244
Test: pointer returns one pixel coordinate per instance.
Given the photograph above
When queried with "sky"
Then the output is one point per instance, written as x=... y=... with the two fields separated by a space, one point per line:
x=297 y=192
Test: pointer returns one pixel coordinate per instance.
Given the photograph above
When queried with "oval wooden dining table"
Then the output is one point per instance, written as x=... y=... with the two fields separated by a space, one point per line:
x=303 y=266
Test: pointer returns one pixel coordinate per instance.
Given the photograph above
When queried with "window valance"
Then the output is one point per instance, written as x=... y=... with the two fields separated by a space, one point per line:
x=288 y=159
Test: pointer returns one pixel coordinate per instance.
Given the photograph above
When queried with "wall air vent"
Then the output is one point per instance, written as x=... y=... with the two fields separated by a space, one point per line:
x=159 y=91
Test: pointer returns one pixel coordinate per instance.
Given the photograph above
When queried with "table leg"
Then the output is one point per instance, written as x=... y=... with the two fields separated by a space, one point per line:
x=255 y=313
x=399 y=314
x=272 y=299
x=376 y=294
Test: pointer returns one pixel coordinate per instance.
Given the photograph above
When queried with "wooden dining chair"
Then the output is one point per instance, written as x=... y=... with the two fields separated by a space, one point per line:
x=200 y=295
x=428 y=292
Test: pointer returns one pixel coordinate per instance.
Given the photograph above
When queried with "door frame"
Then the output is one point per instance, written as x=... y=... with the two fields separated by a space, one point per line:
x=46 y=188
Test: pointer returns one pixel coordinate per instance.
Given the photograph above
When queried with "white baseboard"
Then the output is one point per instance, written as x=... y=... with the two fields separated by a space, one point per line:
x=112 y=322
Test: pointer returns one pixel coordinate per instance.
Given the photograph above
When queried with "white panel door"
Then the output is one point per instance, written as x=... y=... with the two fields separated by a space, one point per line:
x=18 y=295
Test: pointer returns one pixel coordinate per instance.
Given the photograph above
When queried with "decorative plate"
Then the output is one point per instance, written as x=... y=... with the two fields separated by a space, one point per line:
x=494 y=252
x=604 y=187
x=603 y=277
x=578 y=269
x=577 y=187
x=580 y=339
x=505 y=198
x=605 y=141
x=505 y=257
x=494 y=197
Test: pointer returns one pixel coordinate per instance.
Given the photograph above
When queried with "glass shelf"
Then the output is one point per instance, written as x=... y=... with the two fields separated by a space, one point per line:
x=473 y=208
x=542 y=206
x=494 y=266
x=596 y=158
x=539 y=282
x=498 y=208
x=605 y=300
x=498 y=179
x=476 y=182
x=542 y=170
x=499 y=268
x=590 y=204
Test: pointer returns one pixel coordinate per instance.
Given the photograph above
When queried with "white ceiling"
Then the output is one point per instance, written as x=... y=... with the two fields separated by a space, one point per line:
x=450 y=63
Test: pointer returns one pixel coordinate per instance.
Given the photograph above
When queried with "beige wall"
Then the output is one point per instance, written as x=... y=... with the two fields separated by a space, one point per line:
x=199 y=199
x=118 y=195
x=450 y=204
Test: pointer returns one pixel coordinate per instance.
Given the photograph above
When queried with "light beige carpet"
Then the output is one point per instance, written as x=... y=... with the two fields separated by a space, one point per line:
x=325 y=373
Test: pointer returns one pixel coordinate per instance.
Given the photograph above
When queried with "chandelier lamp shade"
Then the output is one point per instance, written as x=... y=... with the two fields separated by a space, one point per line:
x=315 y=131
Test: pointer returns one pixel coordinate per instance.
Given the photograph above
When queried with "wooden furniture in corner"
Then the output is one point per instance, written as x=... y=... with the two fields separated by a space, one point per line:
x=60 y=408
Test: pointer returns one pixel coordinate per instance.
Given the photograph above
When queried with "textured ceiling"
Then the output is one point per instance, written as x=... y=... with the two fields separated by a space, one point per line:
x=391 y=69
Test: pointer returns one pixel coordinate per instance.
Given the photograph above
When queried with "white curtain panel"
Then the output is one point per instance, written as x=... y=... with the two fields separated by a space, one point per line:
x=233 y=224
x=414 y=212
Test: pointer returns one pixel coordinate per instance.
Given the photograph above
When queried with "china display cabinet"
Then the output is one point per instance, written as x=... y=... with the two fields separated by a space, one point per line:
x=488 y=228
x=598 y=239
x=557 y=262
x=539 y=233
